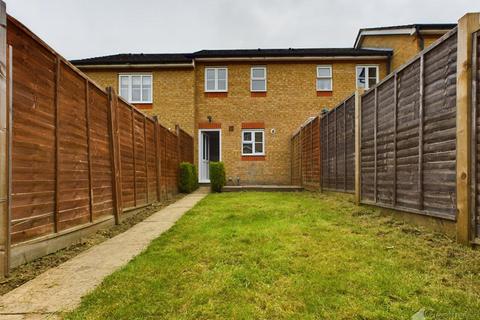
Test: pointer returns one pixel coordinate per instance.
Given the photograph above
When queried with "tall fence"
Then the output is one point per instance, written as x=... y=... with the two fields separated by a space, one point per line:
x=408 y=128
x=78 y=155
x=411 y=142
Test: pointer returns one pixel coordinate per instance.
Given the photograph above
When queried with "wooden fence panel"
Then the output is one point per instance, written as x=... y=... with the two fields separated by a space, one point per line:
x=350 y=144
x=408 y=135
x=102 y=189
x=439 y=129
x=186 y=153
x=33 y=150
x=408 y=99
x=126 y=154
x=72 y=150
x=151 y=160
x=139 y=159
x=296 y=157
x=338 y=147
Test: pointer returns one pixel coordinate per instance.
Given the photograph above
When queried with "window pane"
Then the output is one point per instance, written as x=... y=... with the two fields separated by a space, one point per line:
x=324 y=72
x=324 y=84
x=124 y=87
x=146 y=94
x=259 y=147
x=146 y=81
x=210 y=74
x=258 y=136
x=371 y=82
x=258 y=85
x=211 y=84
x=247 y=148
x=136 y=88
x=258 y=73
x=361 y=77
x=222 y=74
x=247 y=136
x=222 y=84
x=372 y=72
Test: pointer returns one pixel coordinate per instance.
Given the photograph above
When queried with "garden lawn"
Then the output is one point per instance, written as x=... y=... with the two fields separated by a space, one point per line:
x=256 y=255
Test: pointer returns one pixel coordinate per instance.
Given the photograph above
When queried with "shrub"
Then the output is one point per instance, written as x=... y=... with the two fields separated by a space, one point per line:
x=188 y=181
x=217 y=176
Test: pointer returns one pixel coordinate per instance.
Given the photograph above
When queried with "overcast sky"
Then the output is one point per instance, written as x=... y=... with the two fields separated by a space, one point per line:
x=86 y=28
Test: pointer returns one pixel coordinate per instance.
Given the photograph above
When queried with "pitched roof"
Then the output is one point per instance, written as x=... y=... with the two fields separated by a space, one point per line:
x=136 y=58
x=403 y=29
x=182 y=58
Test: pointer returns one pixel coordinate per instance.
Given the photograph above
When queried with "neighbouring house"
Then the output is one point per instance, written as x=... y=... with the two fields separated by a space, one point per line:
x=242 y=106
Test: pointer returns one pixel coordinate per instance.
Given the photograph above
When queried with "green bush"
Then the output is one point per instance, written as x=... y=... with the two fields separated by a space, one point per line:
x=217 y=176
x=188 y=181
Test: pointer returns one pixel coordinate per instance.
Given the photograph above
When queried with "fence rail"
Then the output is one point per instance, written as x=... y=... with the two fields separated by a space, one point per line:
x=80 y=155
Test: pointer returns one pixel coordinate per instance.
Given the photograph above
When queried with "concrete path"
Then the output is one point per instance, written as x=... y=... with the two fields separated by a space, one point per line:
x=61 y=288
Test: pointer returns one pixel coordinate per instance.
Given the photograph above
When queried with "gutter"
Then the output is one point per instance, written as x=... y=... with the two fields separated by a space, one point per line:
x=313 y=58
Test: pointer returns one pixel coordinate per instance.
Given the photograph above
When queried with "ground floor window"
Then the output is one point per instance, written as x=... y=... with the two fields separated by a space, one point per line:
x=253 y=142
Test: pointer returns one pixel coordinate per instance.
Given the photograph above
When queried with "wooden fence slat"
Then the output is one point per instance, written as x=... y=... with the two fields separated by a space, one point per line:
x=157 y=156
x=134 y=159
x=473 y=160
x=345 y=145
x=420 y=133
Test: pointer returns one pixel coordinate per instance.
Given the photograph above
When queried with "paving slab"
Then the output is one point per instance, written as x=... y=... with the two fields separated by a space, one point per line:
x=60 y=289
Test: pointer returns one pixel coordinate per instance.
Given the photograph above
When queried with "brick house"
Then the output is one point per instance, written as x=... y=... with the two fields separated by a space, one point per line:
x=242 y=106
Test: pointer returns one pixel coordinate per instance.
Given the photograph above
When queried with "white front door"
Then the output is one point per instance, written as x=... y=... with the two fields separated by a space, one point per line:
x=204 y=158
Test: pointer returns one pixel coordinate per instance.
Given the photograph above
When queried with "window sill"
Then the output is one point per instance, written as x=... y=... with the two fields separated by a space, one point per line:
x=253 y=158
x=216 y=94
x=254 y=94
x=324 y=93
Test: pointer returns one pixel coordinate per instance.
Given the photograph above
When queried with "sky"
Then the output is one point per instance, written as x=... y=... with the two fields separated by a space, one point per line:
x=89 y=28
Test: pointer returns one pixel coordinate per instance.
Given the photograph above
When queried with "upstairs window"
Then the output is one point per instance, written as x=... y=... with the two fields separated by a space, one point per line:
x=253 y=142
x=367 y=76
x=258 y=79
x=324 y=78
x=136 y=88
x=216 y=79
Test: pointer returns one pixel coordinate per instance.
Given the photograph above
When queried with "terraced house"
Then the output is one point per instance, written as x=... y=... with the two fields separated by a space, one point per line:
x=242 y=106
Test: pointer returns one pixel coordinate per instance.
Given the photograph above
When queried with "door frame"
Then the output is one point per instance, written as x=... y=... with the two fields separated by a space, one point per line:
x=200 y=148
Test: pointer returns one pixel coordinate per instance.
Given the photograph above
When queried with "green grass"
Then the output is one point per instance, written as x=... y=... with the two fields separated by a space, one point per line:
x=291 y=256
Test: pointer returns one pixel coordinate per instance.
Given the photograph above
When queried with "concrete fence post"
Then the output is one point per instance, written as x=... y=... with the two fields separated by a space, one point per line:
x=467 y=25
x=4 y=146
x=358 y=145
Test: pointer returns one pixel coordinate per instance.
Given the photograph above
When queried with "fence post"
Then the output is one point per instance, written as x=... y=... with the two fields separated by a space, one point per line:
x=467 y=25
x=115 y=154
x=358 y=146
x=4 y=145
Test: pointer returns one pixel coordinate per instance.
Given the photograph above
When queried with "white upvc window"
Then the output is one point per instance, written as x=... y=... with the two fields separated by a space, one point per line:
x=216 y=79
x=253 y=142
x=136 y=88
x=258 y=79
x=324 y=78
x=367 y=76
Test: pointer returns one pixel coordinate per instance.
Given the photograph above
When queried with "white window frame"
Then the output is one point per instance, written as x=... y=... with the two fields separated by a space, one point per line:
x=367 y=76
x=324 y=77
x=264 y=78
x=130 y=75
x=253 y=131
x=216 y=79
